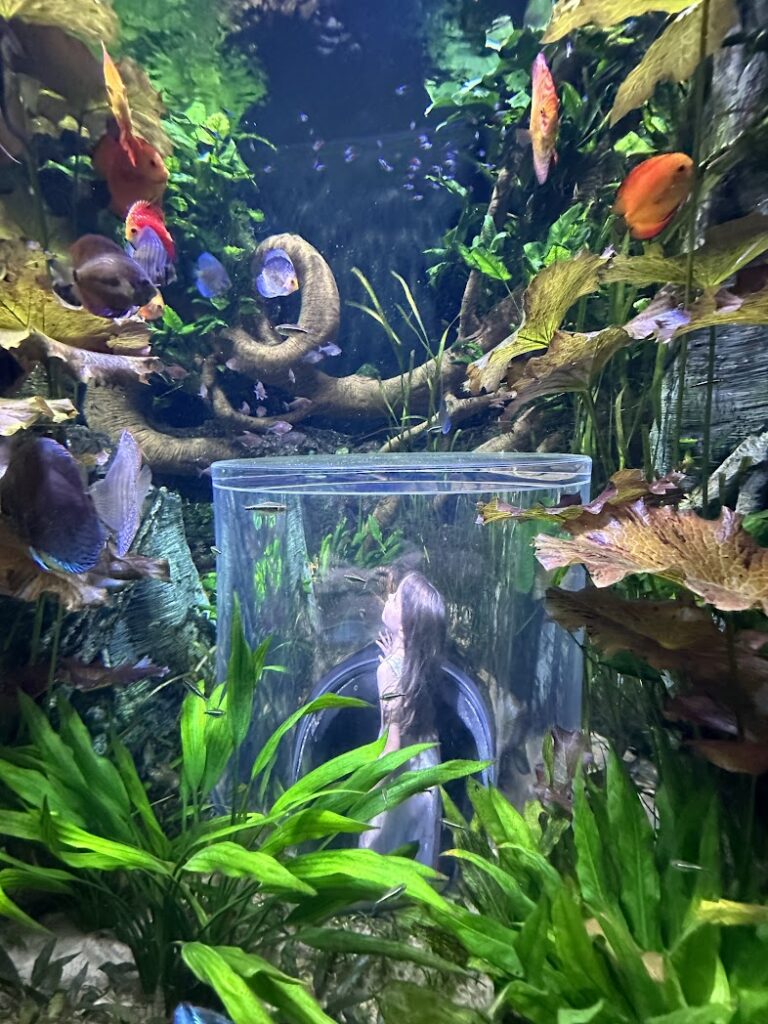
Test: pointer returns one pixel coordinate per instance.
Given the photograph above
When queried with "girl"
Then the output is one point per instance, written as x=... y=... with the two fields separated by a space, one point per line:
x=413 y=645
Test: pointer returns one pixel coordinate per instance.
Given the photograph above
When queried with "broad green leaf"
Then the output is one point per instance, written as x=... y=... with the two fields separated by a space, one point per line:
x=479 y=258
x=499 y=818
x=19 y=824
x=483 y=937
x=218 y=740
x=410 y=782
x=674 y=56
x=236 y=862
x=193 y=722
x=313 y=823
x=244 y=668
x=632 y=834
x=322 y=776
x=337 y=940
x=138 y=796
x=248 y=965
x=730 y=913
x=405 y=1001
x=521 y=905
x=324 y=868
x=207 y=964
x=291 y=1000
x=361 y=782
x=585 y=974
x=572 y=14
x=714 y=1014
x=534 y=940
x=104 y=854
x=269 y=749
x=591 y=868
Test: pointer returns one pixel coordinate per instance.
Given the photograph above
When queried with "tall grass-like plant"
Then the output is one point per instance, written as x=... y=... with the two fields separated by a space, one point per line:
x=198 y=893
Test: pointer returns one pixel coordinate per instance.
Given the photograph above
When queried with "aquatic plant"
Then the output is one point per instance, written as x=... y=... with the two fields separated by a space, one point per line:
x=185 y=885
x=626 y=915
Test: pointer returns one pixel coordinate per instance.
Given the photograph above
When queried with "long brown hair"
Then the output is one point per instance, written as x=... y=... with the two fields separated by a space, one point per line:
x=424 y=640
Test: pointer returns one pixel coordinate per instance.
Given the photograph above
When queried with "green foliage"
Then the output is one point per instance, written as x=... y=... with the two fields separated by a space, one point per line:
x=183 y=46
x=178 y=888
x=365 y=547
x=608 y=921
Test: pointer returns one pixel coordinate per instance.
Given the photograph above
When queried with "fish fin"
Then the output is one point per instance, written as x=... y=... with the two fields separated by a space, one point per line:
x=645 y=231
x=119 y=496
x=117 y=95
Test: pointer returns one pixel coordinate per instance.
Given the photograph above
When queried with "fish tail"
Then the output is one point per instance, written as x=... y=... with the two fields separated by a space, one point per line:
x=117 y=95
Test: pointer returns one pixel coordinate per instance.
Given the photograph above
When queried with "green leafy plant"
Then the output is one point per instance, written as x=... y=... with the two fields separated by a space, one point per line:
x=625 y=919
x=183 y=889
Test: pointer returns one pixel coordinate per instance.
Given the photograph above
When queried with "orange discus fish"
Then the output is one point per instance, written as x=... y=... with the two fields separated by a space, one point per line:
x=146 y=215
x=132 y=166
x=545 y=109
x=652 y=193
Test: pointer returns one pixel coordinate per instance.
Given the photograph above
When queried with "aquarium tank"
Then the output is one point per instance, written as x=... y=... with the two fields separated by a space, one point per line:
x=383 y=511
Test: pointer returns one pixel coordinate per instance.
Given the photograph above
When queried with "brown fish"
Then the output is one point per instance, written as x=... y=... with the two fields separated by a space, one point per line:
x=97 y=676
x=108 y=282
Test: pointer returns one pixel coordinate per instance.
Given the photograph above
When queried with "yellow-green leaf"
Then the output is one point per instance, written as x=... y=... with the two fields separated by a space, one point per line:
x=572 y=14
x=547 y=299
x=730 y=913
x=91 y=20
x=675 y=54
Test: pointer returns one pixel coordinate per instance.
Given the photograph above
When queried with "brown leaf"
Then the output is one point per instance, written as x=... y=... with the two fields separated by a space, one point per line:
x=734 y=756
x=546 y=300
x=676 y=637
x=20 y=413
x=715 y=559
x=674 y=55
x=569 y=364
x=572 y=14
x=624 y=487
x=701 y=710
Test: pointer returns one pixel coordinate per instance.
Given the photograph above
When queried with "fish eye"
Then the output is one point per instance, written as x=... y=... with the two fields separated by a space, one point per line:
x=682 y=168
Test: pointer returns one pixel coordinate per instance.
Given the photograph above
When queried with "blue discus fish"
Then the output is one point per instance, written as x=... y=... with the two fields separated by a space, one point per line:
x=186 y=1013
x=210 y=276
x=118 y=498
x=152 y=256
x=278 y=275
x=43 y=494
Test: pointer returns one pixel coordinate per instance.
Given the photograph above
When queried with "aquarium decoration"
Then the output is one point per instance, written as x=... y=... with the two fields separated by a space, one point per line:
x=451 y=705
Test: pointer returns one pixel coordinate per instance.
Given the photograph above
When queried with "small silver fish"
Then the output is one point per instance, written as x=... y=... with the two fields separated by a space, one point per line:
x=260 y=391
x=287 y=329
x=267 y=508
x=193 y=689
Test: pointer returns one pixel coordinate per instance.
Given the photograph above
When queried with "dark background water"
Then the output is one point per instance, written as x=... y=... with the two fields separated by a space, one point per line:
x=354 y=154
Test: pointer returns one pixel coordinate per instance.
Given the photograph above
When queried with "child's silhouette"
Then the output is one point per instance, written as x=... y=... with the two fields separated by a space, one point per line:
x=413 y=645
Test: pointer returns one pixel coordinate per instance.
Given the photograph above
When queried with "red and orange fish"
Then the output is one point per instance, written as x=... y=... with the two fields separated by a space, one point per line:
x=545 y=120
x=132 y=166
x=146 y=215
x=651 y=194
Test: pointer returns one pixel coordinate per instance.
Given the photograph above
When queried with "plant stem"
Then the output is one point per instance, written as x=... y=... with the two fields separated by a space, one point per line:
x=599 y=442
x=707 y=442
x=55 y=646
x=698 y=109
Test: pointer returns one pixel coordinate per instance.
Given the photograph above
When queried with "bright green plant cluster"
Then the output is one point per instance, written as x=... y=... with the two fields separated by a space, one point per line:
x=184 y=889
x=365 y=547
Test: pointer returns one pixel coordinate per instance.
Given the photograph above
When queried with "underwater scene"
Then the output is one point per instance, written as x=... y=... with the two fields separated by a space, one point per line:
x=384 y=511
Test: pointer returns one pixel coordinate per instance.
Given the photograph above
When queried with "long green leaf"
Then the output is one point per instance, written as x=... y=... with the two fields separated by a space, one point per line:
x=633 y=837
x=156 y=838
x=269 y=750
x=104 y=854
x=313 y=823
x=326 y=867
x=193 y=721
x=405 y=1002
x=336 y=940
x=521 y=904
x=590 y=865
x=410 y=782
x=235 y=862
x=327 y=773
x=207 y=964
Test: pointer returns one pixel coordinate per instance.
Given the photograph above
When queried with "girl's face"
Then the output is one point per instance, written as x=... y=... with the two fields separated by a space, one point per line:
x=392 y=616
